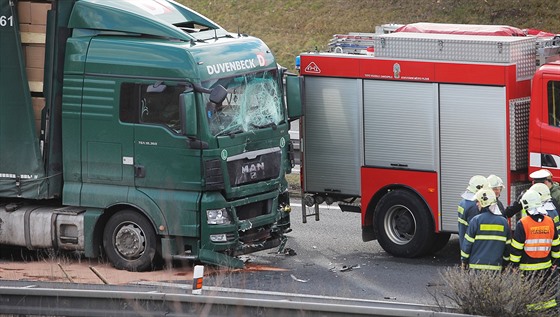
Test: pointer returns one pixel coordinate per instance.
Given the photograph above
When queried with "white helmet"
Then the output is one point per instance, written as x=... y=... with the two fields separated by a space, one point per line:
x=485 y=197
x=543 y=190
x=476 y=182
x=541 y=174
x=494 y=181
x=531 y=200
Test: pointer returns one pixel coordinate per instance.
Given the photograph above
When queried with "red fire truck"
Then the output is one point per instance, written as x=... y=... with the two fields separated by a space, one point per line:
x=396 y=133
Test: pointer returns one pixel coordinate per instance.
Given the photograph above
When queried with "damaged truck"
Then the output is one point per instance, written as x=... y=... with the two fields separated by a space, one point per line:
x=141 y=131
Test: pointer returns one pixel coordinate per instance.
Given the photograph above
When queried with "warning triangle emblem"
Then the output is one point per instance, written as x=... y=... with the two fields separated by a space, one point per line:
x=313 y=68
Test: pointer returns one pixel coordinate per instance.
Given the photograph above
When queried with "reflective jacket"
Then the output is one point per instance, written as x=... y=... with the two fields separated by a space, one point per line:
x=466 y=210
x=487 y=240
x=535 y=245
x=553 y=213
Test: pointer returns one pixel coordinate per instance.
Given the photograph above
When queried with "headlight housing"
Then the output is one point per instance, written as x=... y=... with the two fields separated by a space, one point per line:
x=218 y=216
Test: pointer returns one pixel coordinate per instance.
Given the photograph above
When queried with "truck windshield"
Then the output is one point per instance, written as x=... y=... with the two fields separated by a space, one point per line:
x=253 y=101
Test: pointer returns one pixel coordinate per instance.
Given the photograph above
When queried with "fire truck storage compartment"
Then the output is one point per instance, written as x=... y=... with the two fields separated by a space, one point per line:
x=460 y=48
x=473 y=141
x=400 y=130
x=332 y=148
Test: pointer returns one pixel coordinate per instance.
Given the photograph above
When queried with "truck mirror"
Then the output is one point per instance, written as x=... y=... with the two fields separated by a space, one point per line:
x=293 y=96
x=188 y=113
x=218 y=94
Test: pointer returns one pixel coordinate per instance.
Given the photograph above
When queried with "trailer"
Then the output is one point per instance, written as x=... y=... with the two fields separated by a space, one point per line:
x=395 y=132
x=141 y=131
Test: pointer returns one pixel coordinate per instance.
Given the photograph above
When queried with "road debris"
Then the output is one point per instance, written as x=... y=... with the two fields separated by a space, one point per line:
x=298 y=280
x=346 y=268
x=65 y=274
x=96 y=272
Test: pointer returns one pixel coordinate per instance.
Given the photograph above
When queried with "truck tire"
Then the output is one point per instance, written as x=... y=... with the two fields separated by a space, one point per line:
x=129 y=241
x=404 y=224
x=440 y=242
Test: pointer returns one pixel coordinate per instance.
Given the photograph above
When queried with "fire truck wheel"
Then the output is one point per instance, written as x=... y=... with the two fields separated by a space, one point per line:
x=440 y=242
x=404 y=224
x=129 y=241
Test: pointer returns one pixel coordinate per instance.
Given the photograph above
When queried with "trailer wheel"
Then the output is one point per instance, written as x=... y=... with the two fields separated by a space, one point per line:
x=129 y=241
x=404 y=224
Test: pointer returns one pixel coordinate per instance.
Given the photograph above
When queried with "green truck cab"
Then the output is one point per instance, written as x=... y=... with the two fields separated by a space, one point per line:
x=162 y=137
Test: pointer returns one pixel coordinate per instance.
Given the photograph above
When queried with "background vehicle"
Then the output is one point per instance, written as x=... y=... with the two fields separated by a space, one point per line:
x=141 y=129
x=396 y=132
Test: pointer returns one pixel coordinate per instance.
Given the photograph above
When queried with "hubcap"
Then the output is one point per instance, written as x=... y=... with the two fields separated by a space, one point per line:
x=130 y=241
x=400 y=225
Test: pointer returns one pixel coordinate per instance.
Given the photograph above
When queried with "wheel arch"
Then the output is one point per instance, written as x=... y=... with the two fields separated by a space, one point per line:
x=376 y=198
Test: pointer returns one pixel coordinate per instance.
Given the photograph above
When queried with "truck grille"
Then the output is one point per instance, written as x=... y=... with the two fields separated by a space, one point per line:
x=254 y=167
x=253 y=210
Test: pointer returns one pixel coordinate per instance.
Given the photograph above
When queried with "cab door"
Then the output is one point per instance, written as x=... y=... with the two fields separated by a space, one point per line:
x=162 y=157
x=545 y=129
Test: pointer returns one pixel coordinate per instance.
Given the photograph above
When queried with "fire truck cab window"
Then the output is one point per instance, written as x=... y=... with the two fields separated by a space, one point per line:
x=553 y=88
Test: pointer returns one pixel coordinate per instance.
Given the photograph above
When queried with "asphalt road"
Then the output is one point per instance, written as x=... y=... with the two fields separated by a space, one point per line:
x=331 y=260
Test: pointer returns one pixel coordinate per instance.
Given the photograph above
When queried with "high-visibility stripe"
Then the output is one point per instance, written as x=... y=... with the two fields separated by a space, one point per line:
x=556 y=242
x=465 y=255
x=462 y=221
x=515 y=258
x=485 y=267
x=506 y=258
x=538 y=241
x=469 y=238
x=517 y=245
x=535 y=266
x=460 y=209
x=541 y=248
x=489 y=227
x=555 y=255
x=490 y=237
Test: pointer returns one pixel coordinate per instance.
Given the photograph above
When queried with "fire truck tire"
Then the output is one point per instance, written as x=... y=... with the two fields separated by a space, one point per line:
x=404 y=224
x=440 y=242
x=129 y=242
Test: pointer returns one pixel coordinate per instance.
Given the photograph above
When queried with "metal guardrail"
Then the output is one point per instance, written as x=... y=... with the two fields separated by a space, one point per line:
x=57 y=299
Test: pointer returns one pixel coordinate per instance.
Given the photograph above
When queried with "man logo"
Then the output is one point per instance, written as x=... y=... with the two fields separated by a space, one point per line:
x=252 y=169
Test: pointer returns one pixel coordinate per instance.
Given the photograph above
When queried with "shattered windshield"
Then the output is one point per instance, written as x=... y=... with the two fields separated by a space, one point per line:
x=253 y=102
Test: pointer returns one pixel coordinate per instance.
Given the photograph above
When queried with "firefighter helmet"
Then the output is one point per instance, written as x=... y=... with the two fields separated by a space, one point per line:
x=531 y=200
x=476 y=182
x=543 y=190
x=485 y=197
x=494 y=181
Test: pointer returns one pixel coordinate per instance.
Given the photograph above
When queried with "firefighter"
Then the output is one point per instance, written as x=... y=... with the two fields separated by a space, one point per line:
x=535 y=247
x=467 y=206
x=549 y=206
x=497 y=185
x=526 y=251
x=487 y=240
x=545 y=176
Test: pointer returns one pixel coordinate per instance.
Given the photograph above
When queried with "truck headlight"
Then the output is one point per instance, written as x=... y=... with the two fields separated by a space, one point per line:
x=217 y=216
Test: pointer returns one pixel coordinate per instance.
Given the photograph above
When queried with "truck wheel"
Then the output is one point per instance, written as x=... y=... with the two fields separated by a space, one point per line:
x=404 y=224
x=440 y=241
x=129 y=241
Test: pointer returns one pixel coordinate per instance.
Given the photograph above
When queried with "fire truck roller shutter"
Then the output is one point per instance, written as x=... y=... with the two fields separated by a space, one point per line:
x=404 y=224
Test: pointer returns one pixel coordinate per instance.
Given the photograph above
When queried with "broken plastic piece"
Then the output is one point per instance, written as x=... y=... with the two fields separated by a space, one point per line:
x=298 y=280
